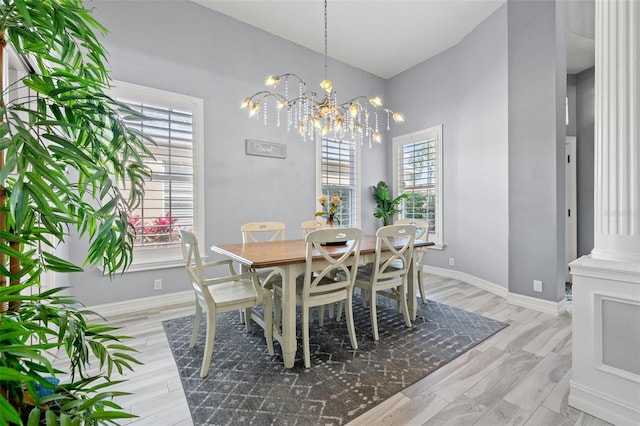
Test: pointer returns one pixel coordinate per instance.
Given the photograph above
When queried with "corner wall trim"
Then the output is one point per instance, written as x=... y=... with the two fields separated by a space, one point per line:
x=541 y=305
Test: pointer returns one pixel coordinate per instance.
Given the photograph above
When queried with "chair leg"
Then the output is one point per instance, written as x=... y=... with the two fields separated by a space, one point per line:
x=374 y=314
x=196 y=324
x=364 y=297
x=340 y=309
x=305 y=336
x=277 y=306
x=208 y=348
x=350 y=325
x=321 y=315
x=241 y=312
x=247 y=319
x=403 y=304
x=421 y=285
x=268 y=322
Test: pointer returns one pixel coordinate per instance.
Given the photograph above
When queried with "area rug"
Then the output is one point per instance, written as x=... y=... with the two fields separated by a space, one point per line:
x=246 y=386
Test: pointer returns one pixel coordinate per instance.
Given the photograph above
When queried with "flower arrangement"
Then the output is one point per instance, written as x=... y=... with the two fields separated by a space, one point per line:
x=330 y=208
x=158 y=230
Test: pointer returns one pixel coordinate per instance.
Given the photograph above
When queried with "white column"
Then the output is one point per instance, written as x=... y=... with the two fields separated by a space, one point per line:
x=617 y=120
x=606 y=285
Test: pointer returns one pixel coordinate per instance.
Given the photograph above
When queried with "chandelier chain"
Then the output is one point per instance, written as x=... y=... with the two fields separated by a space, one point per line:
x=326 y=49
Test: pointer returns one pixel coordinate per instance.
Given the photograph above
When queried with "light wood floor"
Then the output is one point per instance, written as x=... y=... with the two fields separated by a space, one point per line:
x=520 y=376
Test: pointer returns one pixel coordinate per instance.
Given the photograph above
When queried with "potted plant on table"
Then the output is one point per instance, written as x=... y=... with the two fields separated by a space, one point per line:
x=64 y=152
x=385 y=206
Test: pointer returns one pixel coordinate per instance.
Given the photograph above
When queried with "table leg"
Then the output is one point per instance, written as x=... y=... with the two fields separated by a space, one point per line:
x=290 y=344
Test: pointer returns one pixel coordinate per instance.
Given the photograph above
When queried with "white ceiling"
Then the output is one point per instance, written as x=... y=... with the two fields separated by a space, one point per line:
x=383 y=37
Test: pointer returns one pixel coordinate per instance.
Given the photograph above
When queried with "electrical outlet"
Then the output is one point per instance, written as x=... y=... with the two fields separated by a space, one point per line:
x=451 y=261
x=537 y=286
x=157 y=284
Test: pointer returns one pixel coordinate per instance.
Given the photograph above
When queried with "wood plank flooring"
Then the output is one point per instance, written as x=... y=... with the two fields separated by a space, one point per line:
x=520 y=376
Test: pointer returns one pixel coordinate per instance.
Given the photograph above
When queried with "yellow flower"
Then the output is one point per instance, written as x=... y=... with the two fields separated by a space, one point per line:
x=336 y=200
x=323 y=199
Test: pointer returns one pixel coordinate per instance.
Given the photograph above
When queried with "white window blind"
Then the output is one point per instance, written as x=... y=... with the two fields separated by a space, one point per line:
x=168 y=203
x=338 y=176
x=418 y=172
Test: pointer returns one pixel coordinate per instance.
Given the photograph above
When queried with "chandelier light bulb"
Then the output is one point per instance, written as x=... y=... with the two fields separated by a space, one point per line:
x=281 y=105
x=377 y=137
x=327 y=86
x=255 y=109
x=272 y=81
x=397 y=117
x=375 y=101
x=246 y=103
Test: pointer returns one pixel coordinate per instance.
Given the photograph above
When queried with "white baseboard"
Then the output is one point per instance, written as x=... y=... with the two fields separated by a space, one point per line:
x=602 y=406
x=133 y=305
x=541 y=305
x=496 y=289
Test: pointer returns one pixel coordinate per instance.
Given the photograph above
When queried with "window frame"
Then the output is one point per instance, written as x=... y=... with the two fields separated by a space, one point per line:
x=436 y=236
x=357 y=176
x=168 y=257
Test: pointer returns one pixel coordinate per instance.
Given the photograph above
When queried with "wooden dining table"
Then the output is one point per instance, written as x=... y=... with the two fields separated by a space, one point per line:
x=290 y=257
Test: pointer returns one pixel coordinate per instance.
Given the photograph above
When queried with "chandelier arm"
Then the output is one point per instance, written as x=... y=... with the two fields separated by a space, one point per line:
x=266 y=94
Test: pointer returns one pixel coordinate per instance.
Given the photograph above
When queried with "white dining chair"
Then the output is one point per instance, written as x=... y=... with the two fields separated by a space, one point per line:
x=387 y=275
x=311 y=225
x=327 y=279
x=222 y=294
x=253 y=232
x=422 y=233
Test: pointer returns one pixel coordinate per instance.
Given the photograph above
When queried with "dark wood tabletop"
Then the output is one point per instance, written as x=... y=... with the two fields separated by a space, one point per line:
x=269 y=254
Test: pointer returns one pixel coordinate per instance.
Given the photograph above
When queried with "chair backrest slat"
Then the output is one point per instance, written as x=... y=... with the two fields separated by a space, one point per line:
x=341 y=264
x=422 y=227
x=253 y=232
x=192 y=260
x=387 y=239
x=312 y=225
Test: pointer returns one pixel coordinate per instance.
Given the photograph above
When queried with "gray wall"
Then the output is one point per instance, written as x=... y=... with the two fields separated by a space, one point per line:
x=499 y=95
x=537 y=87
x=571 y=96
x=185 y=48
x=465 y=89
x=585 y=111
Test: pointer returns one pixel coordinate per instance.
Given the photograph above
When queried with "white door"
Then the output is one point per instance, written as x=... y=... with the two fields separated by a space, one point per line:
x=571 y=223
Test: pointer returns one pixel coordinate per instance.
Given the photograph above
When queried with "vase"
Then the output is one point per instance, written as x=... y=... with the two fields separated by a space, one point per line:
x=330 y=222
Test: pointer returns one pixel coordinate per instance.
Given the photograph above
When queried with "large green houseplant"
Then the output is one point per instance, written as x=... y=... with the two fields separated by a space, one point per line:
x=386 y=207
x=65 y=154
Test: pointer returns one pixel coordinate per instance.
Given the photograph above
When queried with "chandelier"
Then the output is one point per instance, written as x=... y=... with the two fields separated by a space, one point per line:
x=358 y=118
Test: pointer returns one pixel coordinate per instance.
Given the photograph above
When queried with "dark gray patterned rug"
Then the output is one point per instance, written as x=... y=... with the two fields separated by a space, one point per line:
x=246 y=386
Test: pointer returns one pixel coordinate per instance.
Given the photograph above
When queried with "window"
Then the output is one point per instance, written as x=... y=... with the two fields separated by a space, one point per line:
x=417 y=170
x=339 y=174
x=173 y=195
